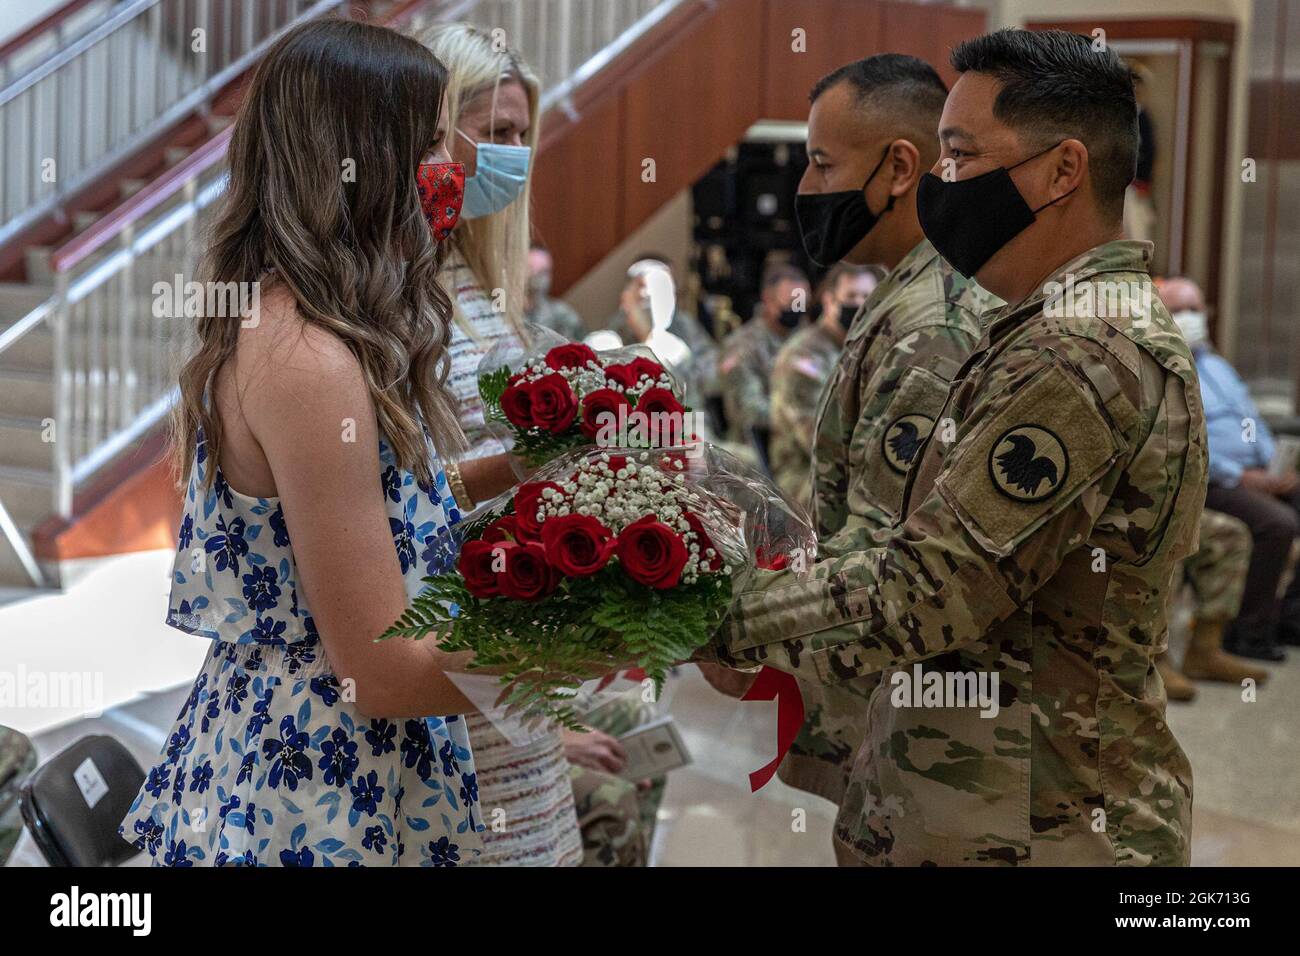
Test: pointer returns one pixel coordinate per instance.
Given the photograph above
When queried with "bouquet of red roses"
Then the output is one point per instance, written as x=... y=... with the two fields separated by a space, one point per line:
x=555 y=399
x=606 y=559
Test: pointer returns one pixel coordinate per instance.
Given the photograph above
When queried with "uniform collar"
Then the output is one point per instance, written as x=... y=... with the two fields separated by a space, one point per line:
x=921 y=257
x=1119 y=255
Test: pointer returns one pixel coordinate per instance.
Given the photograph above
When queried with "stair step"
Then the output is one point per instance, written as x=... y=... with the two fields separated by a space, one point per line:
x=12 y=573
x=26 y=392
x=19 y=298
x=37 y=259
x=21 y=443
x=28 y=494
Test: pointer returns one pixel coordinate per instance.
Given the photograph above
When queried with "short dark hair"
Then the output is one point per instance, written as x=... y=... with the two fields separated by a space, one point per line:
x=902 y=87
x=1056 y=85
x=842 y=270
x=783 y=272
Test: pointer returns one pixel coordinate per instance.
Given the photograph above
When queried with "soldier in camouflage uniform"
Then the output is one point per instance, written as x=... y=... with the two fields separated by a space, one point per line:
x=17 y=761
x=617 y=817
x=1045 y=517
x=748 y=354
x=803 y=366
x=1217 y=575
x=902 y=349
x=554 y=314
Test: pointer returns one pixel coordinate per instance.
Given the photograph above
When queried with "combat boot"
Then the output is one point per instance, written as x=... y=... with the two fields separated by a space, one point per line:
x=1177 y=687
x=1207 y=660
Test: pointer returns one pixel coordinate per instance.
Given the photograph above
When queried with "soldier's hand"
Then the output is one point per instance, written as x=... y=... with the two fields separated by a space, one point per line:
x=594 y=750
x=727 y=681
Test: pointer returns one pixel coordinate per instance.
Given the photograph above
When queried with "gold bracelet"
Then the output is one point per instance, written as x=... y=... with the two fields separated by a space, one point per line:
x=457 y=485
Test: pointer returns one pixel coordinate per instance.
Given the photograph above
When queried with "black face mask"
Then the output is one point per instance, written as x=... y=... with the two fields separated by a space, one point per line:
x=969 y=220
x=789 y=318
x=831 y=224
x=846 y=316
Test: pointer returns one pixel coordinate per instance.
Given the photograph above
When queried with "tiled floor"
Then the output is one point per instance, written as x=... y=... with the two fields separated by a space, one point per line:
x=1245 y=755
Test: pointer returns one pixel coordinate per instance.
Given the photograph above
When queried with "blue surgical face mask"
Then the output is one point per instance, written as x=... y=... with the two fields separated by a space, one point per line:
x=499 y=176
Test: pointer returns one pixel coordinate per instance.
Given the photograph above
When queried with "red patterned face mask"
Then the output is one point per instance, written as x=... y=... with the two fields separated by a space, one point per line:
x=442 y=190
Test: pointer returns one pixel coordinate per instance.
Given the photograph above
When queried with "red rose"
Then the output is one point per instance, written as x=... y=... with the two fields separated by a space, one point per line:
x=644 y=366
x=705 y=542
x=553 y=405
x=621 y=375
x=528 y=576
x=504 y=528
x=572 y=355
x=652 y=553
x=775 y=562
x=517 y=404
x=527 y=500
x=598 y=404
x=577 y=545
x=659 y=402
x=476 y=567
x=617 y=463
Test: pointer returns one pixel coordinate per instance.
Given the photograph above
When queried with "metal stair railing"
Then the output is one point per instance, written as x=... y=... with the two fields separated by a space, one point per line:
x=114 y=360
x=144 y=67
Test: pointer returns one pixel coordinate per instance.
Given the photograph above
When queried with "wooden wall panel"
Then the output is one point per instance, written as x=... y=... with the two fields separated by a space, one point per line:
x=835 y=32
x=689 y=102
x=928 y=32
x=577 y=199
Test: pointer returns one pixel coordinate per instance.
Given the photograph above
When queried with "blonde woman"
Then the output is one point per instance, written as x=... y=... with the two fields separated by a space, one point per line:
x=492 y=114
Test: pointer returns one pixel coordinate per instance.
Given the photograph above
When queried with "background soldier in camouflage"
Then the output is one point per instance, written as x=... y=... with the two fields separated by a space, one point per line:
x=17 y=761
x=871 y=134
x=1217 y=575
x=803 y=366
x=617 y=817
x=554 y=314
x=748 y=354
x=1040 y=543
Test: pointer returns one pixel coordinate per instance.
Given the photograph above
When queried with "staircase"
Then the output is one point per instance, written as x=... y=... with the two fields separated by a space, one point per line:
x=112 y=126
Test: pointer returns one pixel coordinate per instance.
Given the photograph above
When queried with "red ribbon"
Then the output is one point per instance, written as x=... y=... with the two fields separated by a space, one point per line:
x=772 y=684
x=632 y=673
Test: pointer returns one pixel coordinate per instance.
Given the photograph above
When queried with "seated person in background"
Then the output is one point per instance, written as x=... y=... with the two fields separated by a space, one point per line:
x=17 y=761
x=554 y=314
x=1217 y=574
x=633 y=324
x=617 y=816
x=1245 y=482
x=749 y=353
x=803 y=366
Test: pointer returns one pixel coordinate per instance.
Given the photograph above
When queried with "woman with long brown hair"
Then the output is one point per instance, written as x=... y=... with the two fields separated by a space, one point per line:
x=315 y=496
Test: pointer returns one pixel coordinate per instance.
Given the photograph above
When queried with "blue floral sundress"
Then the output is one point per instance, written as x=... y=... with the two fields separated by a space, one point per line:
x=268 y=764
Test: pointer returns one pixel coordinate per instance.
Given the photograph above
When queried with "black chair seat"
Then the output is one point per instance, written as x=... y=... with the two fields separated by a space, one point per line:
x=75 y=801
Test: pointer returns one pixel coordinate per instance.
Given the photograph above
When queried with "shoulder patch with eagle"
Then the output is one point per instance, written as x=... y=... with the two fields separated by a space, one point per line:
x=1028 y=463
x=904 y=438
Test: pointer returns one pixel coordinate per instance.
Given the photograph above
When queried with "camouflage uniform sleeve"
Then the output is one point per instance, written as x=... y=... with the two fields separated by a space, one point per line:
x=906 y=387
x=744 y=388
x=797 y=385
x=986 y=535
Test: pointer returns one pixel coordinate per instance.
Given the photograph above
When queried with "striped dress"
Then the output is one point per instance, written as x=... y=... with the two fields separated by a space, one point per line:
x=525 y=797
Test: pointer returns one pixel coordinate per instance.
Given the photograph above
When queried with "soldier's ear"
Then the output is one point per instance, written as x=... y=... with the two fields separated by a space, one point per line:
x=1070 y=168
x=903 y=167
